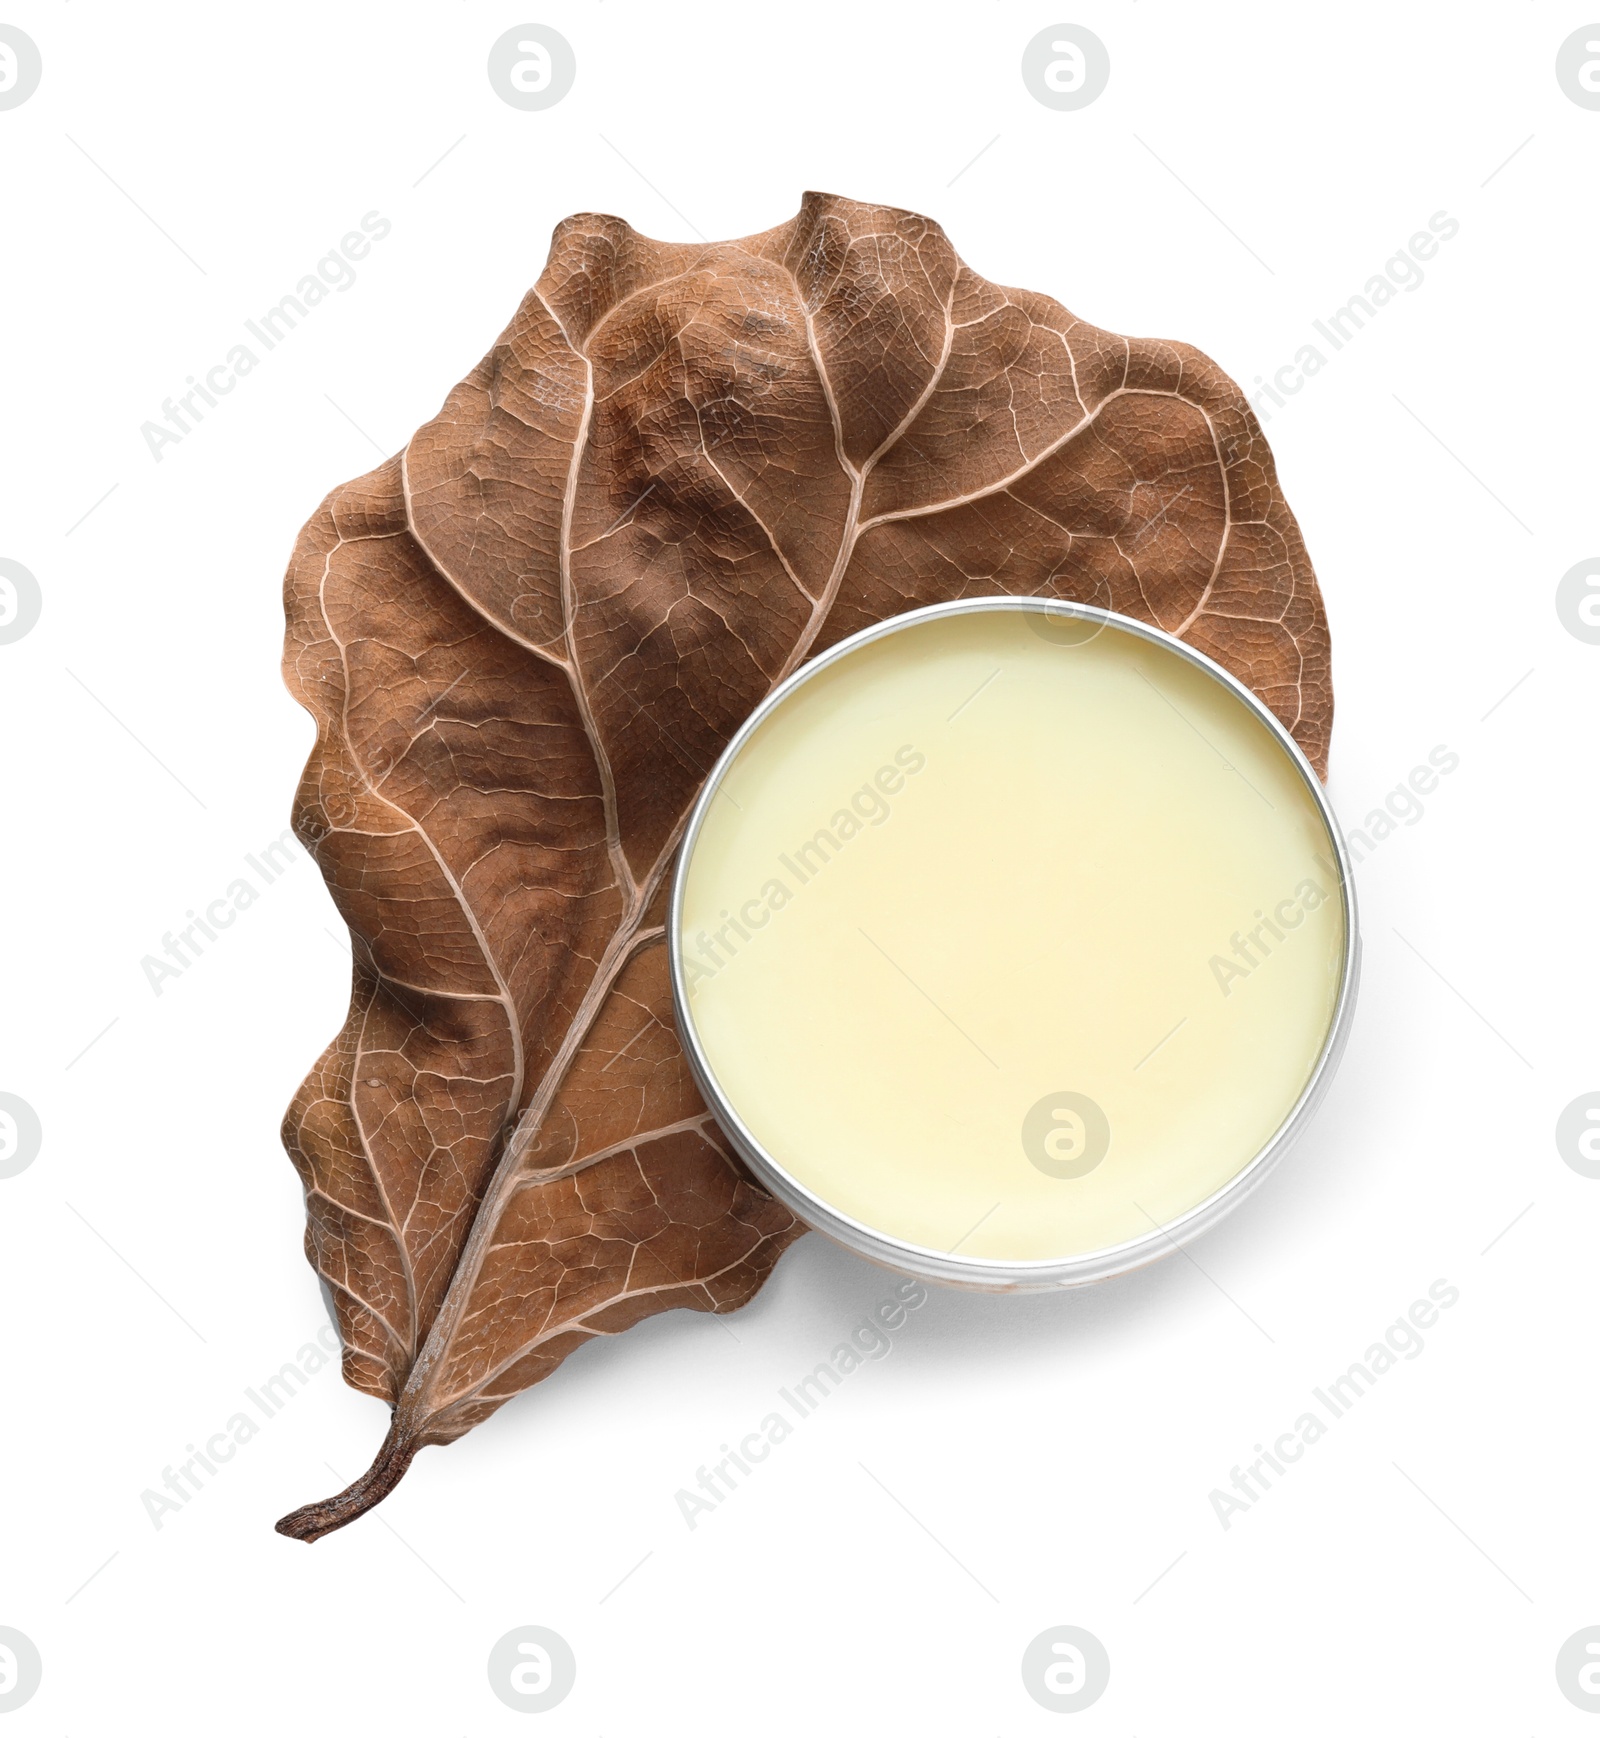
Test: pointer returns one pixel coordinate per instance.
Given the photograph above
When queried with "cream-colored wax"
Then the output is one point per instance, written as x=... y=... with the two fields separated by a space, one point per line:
x=969 y=870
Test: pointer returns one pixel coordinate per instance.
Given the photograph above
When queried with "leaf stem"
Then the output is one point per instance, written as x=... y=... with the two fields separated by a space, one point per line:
x=316 y=1520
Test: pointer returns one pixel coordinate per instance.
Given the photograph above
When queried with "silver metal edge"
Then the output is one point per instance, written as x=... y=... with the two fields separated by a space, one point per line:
x=976 y=1273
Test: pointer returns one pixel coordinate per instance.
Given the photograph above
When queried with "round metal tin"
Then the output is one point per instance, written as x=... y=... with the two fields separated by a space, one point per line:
x=983 y=1273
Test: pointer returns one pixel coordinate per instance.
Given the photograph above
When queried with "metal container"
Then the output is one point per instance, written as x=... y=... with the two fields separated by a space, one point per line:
x=1067 y=621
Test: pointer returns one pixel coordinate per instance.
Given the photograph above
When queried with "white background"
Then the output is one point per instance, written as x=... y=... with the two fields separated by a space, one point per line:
x=1420 y=1567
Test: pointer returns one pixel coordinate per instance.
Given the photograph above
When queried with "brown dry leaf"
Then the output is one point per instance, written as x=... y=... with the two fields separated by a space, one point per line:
x=680 y=472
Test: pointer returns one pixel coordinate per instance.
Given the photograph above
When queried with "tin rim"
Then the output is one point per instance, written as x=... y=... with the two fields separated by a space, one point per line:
x=987 y=1273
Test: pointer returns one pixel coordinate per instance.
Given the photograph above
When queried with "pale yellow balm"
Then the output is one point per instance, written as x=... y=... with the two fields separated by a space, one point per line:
x=1012 y=937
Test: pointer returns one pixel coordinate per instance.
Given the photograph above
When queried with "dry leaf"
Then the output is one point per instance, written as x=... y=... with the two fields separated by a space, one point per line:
x=680 y=472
